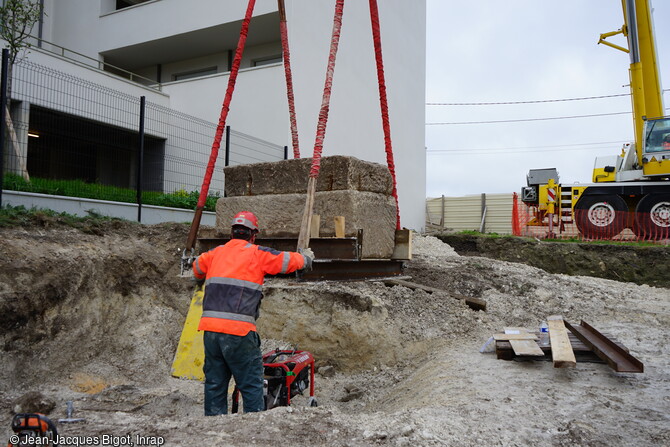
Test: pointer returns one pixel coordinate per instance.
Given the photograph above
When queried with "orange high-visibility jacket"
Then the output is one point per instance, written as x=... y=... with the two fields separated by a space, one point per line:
x=234 y=275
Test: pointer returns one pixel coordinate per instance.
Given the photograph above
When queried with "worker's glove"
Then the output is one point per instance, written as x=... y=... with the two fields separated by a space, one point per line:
x=198 y=282
x=309 y=257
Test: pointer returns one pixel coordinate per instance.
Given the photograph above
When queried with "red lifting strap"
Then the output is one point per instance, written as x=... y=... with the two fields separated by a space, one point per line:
x=204 y=190
x=325 y=103
x=226 y=104
x=283 y=30
x=376 y=36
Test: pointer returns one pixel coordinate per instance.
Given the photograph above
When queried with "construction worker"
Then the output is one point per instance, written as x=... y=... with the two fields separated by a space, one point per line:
x=666 y=142
x=234 y=275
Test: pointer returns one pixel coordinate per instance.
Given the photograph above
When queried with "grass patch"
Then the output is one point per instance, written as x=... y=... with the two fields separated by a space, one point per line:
x=477 y=233
x=13 y=216
x=78 y=188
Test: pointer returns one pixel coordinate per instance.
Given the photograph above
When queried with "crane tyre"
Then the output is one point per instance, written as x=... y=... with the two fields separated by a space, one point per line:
x=652 y=217
x=601 y=216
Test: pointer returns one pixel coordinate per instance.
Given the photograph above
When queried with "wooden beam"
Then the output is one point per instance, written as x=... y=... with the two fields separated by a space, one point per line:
x=339 y=226
x=315 y=226
x=305 y=223
x=403 y=245
x=514 y=337
x=473 y=303
x=561 y=349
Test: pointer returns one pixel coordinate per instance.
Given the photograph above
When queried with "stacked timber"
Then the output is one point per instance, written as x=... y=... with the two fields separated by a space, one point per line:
x=276 y=192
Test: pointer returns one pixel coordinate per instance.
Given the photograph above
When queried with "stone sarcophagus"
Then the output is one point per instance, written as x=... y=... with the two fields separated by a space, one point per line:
x=276 y=193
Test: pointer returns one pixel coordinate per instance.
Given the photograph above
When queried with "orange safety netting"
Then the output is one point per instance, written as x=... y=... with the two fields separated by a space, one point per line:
x=589 y=225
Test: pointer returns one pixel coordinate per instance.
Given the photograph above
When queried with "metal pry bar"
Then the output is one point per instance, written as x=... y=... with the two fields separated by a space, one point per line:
x=187 y=261
x=70 y=419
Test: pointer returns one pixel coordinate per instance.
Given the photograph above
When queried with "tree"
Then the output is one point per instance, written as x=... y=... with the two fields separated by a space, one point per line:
x=17 y=19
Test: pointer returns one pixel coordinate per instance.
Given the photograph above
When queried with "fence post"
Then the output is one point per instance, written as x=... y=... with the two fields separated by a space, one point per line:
x=443 y=216
x=3 y=108
x=227 y=157
x=482 y=226
x=140 y=159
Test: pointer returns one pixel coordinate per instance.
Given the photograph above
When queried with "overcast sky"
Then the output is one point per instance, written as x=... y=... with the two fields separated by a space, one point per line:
x=526 y=50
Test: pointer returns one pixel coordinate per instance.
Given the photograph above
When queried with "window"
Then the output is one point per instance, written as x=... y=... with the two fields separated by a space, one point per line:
x=266 y=60
x=194 y=73
x=120 y=4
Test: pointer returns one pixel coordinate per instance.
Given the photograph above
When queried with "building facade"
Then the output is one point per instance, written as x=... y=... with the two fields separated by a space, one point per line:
x=178 y=54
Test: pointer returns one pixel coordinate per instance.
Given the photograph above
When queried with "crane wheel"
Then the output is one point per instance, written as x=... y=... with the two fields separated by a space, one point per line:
x=652 y=217
x=601 y=216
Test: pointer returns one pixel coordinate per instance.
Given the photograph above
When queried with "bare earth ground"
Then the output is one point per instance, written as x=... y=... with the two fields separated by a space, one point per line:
x=93 y=314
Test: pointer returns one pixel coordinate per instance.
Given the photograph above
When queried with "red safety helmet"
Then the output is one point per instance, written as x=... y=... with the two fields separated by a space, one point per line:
x=246 y=219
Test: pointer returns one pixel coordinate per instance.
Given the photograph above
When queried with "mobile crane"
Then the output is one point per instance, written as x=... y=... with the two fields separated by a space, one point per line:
x=631 y=190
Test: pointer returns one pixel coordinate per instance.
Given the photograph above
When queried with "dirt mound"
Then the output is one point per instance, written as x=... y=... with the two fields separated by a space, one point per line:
x=89 y=308
x=93 y=313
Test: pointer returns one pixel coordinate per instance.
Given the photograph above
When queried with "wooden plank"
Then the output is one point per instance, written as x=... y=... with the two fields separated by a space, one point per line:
x=523 y=347
x=473 y=303
x=561 y=349
x=514 y=337
x=339 y=226
x=315 y=227
x=305 y=223
x=526 y=347
x=403 y=245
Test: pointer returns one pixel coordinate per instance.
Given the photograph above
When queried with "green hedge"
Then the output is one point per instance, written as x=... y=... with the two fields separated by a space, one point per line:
x=79 y=188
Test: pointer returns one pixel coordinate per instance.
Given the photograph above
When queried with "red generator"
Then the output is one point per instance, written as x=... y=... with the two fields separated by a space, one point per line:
x=286 y=374
x=33 y=429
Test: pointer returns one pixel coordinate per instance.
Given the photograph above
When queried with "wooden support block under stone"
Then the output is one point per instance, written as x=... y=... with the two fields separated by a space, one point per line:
x=561 y=349
x=339 y=223
x=473 y=303
x=524 y=347
x=403 y=245
x=315 y=227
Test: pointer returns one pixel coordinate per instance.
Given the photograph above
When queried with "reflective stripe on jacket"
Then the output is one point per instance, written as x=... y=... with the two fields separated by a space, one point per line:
x=234 y=275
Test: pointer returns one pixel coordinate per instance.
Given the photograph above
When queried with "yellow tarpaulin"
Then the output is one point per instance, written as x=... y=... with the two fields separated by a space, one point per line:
x=190 y=356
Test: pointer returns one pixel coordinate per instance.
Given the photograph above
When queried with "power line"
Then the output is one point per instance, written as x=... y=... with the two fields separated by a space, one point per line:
x=521 y=102
x=528 y=119
x=528 y=102
x=494 y=152
x=526 y=147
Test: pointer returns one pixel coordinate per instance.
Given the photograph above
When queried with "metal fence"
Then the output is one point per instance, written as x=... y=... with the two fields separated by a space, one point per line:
x=69 y=136
x=491 y=213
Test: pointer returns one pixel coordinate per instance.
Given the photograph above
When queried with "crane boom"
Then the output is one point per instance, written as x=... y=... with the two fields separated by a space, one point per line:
x=645 y=84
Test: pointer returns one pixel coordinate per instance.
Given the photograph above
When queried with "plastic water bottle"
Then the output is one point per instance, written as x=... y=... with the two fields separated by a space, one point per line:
x=544 y=334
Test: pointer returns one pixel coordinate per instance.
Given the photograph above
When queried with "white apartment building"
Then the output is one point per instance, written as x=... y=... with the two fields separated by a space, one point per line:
x=183 y=50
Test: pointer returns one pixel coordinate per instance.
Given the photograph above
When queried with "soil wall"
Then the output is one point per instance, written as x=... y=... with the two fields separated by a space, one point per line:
x=628 y=263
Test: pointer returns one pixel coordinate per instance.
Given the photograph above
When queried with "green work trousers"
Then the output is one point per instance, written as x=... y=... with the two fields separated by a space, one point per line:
x=240 y=357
